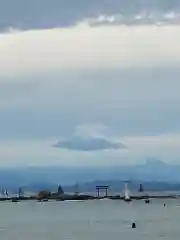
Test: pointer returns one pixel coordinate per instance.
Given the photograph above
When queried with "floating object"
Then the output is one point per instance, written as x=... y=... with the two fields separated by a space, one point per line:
x=133 y=225
x=147 y=201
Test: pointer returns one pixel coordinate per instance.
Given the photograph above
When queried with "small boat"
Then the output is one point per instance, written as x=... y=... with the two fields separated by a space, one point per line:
x=15 y=200
x=59 y=200
x=44 y=200
x=127 y=199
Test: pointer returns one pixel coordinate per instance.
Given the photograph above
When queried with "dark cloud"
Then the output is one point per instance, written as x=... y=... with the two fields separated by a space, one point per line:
x=89 y=144
x=26 y=14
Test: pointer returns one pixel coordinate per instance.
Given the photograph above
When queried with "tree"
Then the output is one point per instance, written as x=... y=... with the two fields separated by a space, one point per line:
x=44 y=194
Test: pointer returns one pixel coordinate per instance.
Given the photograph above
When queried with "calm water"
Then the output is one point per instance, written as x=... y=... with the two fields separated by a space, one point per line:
x=90 y=220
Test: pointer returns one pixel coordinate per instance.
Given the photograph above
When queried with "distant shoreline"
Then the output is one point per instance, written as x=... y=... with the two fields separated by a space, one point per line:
x=86 y=197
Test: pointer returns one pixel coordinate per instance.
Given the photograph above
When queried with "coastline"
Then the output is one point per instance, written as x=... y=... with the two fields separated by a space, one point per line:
x=85 y=197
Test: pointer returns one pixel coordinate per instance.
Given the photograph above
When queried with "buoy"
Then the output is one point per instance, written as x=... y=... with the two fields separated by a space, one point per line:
x=147 y=201
x=164 y=205
x=133 y=225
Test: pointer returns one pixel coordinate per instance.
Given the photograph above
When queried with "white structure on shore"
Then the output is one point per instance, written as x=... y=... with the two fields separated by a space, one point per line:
x=126 y=191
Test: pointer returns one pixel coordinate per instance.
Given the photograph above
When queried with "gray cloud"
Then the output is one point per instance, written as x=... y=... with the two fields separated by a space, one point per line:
x=89 y=144
x=90 y=138
x=132 y=102
x=25 y=14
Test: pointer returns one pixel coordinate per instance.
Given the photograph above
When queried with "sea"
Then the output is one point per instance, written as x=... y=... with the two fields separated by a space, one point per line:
x=90 y=220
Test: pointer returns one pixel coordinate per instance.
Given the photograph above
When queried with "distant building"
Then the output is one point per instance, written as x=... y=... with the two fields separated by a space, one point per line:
x=76 y=192
x=126 y=191
x=60 y=190
x=141 y=189
x=20 y=192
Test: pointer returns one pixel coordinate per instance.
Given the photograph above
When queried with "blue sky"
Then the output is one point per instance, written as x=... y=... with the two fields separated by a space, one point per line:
x=94 y=72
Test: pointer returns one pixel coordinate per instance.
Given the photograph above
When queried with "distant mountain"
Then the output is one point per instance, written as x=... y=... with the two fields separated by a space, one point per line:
x=118 y=186
x=152 y=162
x=115 y=186
x=40 y=177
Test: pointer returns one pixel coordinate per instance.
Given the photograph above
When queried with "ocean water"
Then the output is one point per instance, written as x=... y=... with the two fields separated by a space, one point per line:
x=90 y=220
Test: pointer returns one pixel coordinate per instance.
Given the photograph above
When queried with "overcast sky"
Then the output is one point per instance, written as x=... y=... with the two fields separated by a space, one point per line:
x=75 y=71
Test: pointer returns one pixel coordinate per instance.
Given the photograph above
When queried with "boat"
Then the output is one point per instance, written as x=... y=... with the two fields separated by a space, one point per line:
x=15 y=200
x=127 y=199
x=43 y=200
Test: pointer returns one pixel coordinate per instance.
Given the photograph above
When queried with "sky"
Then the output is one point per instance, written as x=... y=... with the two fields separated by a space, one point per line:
x=89 y=82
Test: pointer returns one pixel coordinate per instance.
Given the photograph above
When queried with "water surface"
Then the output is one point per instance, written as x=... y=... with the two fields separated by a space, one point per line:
x=90 y=220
